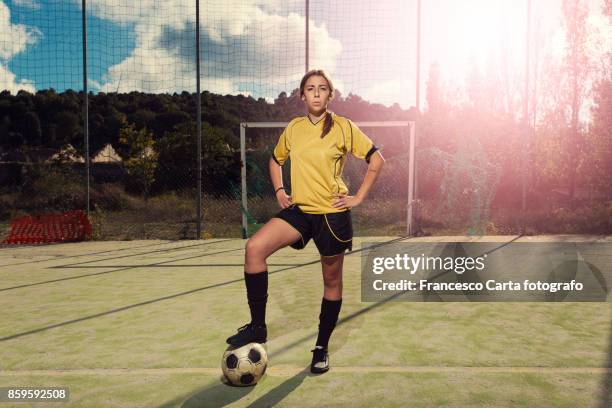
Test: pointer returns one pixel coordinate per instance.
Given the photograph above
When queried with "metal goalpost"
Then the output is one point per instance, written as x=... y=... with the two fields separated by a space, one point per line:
x=411 y=165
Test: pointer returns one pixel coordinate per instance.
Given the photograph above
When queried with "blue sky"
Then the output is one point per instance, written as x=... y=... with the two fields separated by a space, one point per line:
x=56 y=59
x=256 y=47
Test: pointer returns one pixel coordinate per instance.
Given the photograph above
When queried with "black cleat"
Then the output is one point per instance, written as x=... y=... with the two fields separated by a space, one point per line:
x=248 y=334
x=320 y=360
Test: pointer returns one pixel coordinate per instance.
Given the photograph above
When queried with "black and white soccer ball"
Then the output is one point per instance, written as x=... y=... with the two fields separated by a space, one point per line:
x=244 y=365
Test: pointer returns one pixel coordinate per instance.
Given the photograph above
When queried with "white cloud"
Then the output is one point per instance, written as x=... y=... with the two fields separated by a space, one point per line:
x=7 y=82
x=32 y=4
x=387 y=92
x=15 y=39
x=257 y=39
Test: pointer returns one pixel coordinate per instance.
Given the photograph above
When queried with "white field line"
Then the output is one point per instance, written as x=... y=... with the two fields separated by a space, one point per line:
x=291 y=370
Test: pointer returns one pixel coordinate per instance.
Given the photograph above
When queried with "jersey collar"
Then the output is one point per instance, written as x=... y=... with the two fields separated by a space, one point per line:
x=318 y=121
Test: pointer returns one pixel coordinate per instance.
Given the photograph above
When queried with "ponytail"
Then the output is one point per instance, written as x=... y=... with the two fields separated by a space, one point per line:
x=327 y=124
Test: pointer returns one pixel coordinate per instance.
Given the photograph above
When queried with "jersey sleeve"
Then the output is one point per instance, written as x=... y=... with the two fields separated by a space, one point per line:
x=360 y=145
x=282 y=149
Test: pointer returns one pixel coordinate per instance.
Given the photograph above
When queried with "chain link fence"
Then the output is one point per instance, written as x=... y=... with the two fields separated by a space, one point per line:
x=141 y=178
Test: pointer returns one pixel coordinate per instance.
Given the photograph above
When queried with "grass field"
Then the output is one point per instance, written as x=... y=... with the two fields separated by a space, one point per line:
x=143 y=324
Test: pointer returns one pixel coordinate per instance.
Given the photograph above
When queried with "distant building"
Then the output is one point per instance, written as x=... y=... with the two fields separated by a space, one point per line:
x=107 y=165
x=67 y=154
x=107 y=155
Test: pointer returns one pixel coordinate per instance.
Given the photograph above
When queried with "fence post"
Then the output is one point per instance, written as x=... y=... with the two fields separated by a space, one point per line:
x=199 y=122
x=85 y=102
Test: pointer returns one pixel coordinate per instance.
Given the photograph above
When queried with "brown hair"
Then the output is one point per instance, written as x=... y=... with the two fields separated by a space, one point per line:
x=329 y=122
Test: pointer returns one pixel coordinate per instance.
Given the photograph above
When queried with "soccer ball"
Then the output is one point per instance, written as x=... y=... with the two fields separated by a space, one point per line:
x=244 y=365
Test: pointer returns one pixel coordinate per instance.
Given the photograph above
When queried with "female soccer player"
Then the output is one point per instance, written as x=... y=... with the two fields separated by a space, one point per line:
x=318 y=208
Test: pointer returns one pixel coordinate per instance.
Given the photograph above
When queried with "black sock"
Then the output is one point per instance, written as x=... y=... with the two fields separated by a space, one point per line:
x=330 y=309
x=257 y=295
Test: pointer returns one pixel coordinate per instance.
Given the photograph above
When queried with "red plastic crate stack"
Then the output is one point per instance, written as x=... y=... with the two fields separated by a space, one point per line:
x=43 y=229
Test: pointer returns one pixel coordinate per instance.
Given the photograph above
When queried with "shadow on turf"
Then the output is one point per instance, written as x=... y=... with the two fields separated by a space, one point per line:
x=78 y=255
x=278 y=393
x=163 y=250
x=374 y=305
x=606 y=384
x=176 y=295
x=220 y=395
x=188 y=292
x=120 y=267
x=215 y=395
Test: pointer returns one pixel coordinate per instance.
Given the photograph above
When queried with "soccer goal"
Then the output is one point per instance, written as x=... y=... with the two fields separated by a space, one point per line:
x=399 y=179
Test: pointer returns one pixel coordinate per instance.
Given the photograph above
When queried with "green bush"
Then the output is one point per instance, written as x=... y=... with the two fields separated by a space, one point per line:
x=592 y=219
x=58 y=188
x=112 y=197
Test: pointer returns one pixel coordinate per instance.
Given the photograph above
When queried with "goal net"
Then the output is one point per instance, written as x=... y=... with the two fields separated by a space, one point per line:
x=387 y=210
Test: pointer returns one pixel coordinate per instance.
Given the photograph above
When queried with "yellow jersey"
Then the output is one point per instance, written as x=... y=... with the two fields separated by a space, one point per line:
x=317 y=164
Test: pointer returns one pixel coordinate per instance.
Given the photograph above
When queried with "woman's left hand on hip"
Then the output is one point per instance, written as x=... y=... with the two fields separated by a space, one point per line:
x=345 y=201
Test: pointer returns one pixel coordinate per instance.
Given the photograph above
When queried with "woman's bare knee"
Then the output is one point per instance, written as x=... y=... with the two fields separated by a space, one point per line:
x=332 y=276
x=252 y=246
x=274 y=235
x=255 y=250
x=333 y=283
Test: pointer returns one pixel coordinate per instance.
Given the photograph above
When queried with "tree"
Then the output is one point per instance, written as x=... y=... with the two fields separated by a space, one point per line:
x=142 y=157
x=600 y=134
x=577 y=71
x=178 y=158
x=600 y=139
x=69 y=124
x=282 y=99
x=31 y=128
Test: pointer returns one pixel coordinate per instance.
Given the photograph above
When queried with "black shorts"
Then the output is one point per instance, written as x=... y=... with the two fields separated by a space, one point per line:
x=332 y=233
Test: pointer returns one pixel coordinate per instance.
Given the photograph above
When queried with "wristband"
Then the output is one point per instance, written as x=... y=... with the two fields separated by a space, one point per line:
x=280 y=188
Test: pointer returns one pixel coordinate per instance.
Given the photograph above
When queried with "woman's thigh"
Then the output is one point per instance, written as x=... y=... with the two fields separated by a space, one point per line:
x=274 y=235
